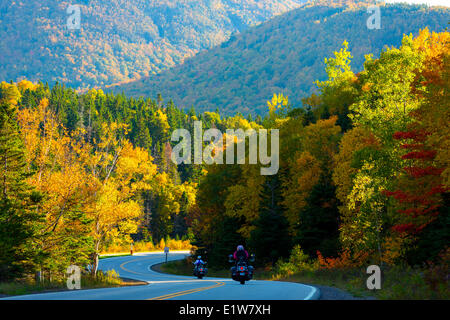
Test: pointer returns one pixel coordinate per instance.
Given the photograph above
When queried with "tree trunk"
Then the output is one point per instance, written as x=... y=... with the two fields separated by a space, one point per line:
x=95 y=259
x=95 y=264
x=378 y=237
x=4 y=176
x=38 y=276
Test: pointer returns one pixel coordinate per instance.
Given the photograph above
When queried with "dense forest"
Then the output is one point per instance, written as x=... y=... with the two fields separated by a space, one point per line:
x=363 y=174
x=285 y=55
x=364 y=171
x=118 y=40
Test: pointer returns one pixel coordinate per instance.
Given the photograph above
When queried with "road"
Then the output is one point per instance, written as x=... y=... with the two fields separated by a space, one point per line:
x=170 y=287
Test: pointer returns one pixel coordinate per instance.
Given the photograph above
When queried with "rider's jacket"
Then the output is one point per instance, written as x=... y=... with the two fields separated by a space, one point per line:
x=198 y=262
x=240 y=253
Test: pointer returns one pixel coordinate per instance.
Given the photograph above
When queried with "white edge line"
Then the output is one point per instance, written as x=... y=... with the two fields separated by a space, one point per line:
x=314 y=295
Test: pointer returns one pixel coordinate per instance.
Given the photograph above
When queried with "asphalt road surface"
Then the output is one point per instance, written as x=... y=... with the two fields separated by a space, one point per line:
x=170 y=287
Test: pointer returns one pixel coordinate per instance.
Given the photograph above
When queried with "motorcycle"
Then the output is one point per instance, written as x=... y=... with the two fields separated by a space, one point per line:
x=200 y=270
x=242 y=271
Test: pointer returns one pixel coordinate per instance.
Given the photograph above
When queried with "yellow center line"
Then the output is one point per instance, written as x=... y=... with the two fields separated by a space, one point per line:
x=128 y=270
x=182 y=293
x=175 y=294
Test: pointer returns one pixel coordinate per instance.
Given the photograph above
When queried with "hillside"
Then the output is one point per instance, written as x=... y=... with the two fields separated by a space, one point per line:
x=119 y=40
x=285 y=54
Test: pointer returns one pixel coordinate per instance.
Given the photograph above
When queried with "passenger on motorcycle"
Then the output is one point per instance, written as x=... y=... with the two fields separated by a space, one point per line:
x=240 y=252
x=241 y=255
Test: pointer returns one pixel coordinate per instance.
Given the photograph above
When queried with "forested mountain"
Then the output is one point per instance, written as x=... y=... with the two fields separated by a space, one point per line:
x=118 y=40
x=285 y=54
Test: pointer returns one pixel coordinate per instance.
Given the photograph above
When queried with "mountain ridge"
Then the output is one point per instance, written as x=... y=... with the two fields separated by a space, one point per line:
x=285 y=54
x=118 y=40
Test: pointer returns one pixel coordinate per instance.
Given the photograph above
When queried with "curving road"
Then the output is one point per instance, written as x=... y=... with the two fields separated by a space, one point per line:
x=170 y=287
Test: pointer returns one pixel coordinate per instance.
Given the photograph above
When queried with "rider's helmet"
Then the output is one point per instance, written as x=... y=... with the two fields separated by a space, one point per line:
x=199 y=257
x=240 y=247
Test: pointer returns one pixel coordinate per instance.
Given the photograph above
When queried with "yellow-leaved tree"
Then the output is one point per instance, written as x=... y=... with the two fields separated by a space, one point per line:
x=243 y=200
x=120 y=171
x=317 y=145
x=55 y=169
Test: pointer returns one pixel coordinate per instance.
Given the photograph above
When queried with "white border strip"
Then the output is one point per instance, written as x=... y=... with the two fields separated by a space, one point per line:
x=314 y=295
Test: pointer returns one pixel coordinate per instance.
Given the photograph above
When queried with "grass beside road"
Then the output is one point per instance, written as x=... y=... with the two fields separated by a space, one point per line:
x=404 y=283
x=30 y=286
x=397 y=283
x=352 y=281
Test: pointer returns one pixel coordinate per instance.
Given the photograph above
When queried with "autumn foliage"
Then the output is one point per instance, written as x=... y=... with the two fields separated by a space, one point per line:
x=345 y=260
x=363 y=177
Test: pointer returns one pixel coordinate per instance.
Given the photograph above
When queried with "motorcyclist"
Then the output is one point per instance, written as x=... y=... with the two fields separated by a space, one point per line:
x=239 y=254
x=197 y=263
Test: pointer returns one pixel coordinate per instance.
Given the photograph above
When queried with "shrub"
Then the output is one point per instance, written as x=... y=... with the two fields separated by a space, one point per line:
x=142 y=246
x=345 y=260
x=298 y=262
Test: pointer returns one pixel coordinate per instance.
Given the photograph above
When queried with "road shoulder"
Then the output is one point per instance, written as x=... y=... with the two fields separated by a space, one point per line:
x=331 y=293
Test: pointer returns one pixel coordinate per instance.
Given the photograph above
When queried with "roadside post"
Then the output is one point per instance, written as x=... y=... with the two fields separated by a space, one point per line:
x=166 y=251
x=131 y=248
